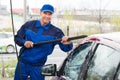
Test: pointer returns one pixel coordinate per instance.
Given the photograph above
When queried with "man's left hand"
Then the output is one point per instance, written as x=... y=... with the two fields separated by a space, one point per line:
x=65 y=40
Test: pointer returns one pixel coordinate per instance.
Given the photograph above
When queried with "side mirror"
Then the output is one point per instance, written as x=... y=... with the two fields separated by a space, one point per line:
x=49 y=70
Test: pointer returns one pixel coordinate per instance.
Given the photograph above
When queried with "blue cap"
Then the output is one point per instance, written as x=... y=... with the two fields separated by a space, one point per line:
x=48 y=8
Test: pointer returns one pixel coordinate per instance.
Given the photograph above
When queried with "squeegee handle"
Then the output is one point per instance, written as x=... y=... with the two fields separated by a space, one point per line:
x=58 y=40
x=51 y=41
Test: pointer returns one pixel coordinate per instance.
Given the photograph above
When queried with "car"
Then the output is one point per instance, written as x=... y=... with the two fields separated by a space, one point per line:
x=96 y=57
x=7 y=42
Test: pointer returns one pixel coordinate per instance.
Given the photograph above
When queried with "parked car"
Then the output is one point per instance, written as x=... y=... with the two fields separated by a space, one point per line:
x=97 y=57
x=6 y=42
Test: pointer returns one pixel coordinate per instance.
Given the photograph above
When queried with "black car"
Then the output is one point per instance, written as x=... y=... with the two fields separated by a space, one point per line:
x=97 y=57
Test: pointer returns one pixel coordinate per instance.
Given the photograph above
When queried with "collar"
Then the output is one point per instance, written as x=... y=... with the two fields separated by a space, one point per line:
x=38 y=24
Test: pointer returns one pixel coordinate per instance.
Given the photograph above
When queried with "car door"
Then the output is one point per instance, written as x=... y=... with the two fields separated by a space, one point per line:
x=104 y=64
x=71 y=67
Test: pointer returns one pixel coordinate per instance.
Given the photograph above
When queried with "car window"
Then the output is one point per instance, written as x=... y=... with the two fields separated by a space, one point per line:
x=104 y=63
x=4 y=35
x=72 y=66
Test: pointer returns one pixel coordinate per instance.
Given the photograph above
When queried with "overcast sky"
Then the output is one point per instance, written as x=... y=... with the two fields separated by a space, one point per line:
x=67 y=4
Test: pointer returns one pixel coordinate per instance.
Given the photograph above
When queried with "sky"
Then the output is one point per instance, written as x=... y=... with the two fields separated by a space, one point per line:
x=67 y=4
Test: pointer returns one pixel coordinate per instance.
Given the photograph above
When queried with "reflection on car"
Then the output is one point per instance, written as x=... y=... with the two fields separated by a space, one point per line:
x=6 y=42
x=97 y=57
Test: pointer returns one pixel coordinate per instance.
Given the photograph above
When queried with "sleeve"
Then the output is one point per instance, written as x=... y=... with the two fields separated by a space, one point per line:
x=63 y=47
x=20 y=36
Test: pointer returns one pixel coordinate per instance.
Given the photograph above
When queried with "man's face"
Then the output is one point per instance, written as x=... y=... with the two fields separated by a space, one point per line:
x=46 y=17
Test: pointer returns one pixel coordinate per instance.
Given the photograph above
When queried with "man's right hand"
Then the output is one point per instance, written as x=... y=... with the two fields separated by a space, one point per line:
x=28 y=44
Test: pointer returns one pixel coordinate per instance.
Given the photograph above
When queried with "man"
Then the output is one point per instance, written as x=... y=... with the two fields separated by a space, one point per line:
x=33 y=58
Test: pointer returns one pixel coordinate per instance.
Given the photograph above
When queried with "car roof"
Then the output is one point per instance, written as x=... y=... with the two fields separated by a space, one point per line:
x=114 y=36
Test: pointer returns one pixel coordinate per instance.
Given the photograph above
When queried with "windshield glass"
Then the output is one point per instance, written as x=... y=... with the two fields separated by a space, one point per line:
x=104 y=63
x=72 y=66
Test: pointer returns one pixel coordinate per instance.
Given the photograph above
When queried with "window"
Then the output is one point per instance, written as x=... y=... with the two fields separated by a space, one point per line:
x=72 y=66
x=103 y=64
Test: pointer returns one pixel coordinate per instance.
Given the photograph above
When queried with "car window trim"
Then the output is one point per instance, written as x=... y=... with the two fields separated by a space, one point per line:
x=85 y=67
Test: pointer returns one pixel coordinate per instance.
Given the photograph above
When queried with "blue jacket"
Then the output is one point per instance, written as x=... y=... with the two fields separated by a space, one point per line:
x=33 y=31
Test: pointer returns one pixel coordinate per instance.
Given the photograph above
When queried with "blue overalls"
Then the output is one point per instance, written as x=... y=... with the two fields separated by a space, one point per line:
x=32 y=59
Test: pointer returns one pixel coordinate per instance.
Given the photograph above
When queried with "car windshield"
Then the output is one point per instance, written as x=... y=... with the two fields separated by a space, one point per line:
x=72 y=66
x=104 y=64
x=5 y=35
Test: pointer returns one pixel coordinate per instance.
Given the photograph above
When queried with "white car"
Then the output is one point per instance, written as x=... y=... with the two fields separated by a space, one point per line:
x=7 y=42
